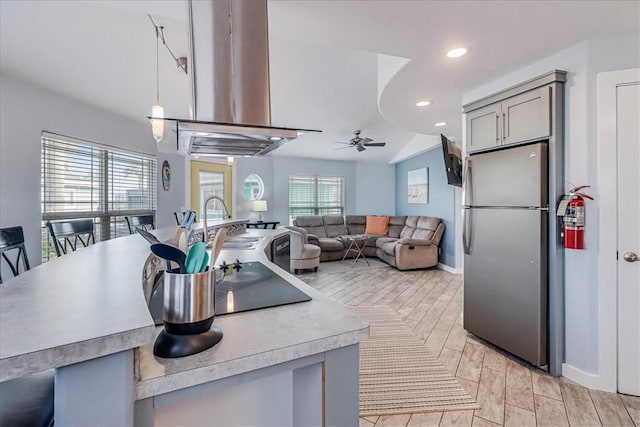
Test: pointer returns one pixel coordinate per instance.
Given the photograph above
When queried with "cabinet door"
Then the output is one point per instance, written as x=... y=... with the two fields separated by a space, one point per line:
x=527 y=116
x=483 y=128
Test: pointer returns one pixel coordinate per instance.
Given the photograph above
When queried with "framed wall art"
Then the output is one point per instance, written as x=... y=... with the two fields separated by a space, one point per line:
x=418 y=186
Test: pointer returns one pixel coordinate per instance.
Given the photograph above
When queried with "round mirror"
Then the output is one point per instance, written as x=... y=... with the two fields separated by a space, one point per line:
x=253 y=187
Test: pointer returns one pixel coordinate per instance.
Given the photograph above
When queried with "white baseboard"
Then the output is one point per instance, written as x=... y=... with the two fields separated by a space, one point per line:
x=446 y=268
x=585 y=379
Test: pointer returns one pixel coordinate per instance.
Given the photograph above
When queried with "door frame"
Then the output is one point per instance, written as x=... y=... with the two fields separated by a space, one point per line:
x=607 y=378
x=195 y=166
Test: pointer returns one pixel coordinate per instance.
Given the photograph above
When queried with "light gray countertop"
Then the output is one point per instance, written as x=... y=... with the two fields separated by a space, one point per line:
x=90 y=303
x=83 y=305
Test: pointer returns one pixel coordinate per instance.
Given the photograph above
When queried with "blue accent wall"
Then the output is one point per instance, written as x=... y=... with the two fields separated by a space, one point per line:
x=441 y=202
x=369 y=186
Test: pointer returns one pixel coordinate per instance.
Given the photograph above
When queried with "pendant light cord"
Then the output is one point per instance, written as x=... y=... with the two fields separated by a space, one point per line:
x=160 y=36
x=157 y=66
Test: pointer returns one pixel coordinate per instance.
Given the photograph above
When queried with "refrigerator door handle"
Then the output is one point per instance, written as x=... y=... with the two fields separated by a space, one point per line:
x=467 y=183
x=465 y=242
x=465 y=215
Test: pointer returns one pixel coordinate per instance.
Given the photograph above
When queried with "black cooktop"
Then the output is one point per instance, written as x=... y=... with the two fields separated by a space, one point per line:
x=250 y=286
x=244 y=287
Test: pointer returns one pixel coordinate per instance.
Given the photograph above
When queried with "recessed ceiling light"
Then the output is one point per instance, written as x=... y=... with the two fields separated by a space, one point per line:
x=275 y=138
x=457 y=52
x=440 y=124
x=423 y=103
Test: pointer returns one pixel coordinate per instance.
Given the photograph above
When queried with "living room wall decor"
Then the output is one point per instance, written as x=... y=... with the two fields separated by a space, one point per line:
x=418 y=186
x=166 y=175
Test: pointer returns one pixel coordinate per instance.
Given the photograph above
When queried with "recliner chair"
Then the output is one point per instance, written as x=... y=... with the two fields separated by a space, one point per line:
x=303 y=255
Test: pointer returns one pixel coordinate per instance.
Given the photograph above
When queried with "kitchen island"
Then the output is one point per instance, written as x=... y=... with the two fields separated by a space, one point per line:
x=86 y=314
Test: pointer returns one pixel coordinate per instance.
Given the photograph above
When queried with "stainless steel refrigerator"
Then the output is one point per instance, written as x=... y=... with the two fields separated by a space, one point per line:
x=505 y=216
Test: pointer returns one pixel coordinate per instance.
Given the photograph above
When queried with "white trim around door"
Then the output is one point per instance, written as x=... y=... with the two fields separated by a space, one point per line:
x=607 y=227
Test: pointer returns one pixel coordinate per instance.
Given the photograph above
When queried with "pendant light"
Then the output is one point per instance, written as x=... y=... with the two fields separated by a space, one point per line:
x=157 y=111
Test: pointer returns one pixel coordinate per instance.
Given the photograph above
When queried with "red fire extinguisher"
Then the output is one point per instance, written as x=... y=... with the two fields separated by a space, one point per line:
x=573 y=218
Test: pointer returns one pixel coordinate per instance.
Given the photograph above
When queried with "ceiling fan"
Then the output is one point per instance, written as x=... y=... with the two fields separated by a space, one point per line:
x=360 y=143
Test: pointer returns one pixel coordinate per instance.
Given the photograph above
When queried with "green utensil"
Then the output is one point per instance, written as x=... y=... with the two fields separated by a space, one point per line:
x=205 y=263
x=195 y=257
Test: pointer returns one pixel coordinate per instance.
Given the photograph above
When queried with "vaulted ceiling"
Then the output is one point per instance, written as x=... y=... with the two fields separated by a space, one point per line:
x=329 y=59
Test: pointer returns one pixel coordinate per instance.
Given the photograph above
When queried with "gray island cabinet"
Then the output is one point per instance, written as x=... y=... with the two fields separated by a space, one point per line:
x=86 y=315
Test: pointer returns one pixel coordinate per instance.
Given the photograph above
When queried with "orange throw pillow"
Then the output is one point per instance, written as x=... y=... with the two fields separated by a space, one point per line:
x=378 y=225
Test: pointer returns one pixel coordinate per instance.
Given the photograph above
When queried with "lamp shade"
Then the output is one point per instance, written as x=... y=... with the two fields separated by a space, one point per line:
x=157 y=126
x=260 y=205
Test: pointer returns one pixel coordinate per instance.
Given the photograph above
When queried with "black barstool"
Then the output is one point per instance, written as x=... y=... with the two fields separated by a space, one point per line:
x=28 y=400
x=67 y=234
x=145 y=222
x=12 y=243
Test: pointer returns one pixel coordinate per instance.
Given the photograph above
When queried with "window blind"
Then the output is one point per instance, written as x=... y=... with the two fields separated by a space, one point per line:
x=87 y=180
x=315 y=195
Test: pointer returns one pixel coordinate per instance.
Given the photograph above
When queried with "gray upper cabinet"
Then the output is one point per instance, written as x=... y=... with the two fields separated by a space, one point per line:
x=483 y=128
x=526 y=117
x=520 y=118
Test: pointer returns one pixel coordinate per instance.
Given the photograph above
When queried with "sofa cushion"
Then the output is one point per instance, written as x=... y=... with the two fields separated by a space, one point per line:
x=426 y=227
x=410 y=227
x=356 y=224
x=378 y=225
x=313 y=225
x=422 y=234
x=389 y=248
x=382 y=240
x=396 y=224
x=333 y=220
x=334 y=225
x=330 y=244
x=412 y=221
x=428 y=223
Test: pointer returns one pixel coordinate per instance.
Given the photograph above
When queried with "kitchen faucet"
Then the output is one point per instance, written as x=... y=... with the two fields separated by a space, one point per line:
x=226 y=213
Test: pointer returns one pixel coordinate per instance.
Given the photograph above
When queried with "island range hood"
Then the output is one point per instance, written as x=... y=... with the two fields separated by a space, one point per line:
x=229 y=50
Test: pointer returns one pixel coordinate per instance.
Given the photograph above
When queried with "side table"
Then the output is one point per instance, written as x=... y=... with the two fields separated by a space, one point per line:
x=357 y=243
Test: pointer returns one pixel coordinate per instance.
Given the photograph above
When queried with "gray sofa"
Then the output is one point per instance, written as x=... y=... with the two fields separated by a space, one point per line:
x=411 y=243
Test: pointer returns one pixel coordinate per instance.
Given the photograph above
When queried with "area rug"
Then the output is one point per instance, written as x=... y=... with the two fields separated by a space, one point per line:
x=398 y=375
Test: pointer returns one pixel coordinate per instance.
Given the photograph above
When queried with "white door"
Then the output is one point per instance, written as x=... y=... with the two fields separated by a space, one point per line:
x=628 y=143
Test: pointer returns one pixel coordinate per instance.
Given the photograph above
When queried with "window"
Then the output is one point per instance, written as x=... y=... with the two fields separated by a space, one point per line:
x=87 y=180
x=315 y=195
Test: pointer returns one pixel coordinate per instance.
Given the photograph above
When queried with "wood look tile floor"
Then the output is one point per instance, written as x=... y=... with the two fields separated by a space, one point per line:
x=510 y=392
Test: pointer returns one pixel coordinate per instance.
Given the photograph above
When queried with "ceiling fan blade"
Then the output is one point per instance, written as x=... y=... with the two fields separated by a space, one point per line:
x=360 y=147
x=366 y=141
x=375 y=144
x=339 y=142
x=342 y=148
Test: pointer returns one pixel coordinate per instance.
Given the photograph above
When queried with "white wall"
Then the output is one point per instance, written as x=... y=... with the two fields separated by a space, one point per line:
x=582 y=62
x=27 y=110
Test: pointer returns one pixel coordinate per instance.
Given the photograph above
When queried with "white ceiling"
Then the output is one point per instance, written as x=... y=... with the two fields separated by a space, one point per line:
x=324 y=70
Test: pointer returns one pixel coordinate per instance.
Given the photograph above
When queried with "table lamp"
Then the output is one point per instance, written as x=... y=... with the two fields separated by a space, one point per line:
x=260 y=206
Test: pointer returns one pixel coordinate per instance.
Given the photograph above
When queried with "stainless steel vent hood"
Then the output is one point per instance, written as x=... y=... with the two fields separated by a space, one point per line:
x=229 y=50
